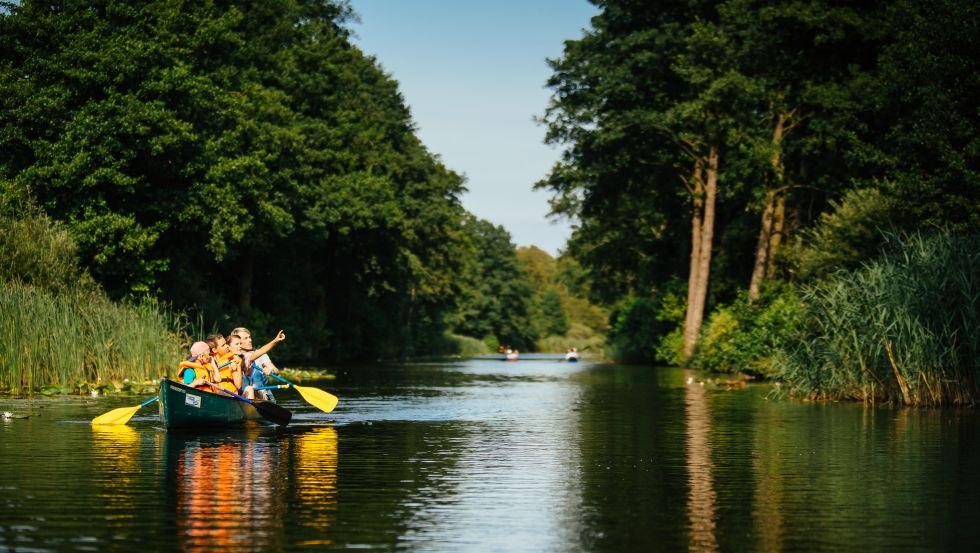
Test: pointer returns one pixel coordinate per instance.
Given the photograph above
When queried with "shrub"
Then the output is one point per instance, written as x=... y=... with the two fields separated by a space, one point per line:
x=744 y=337
x=37 y=250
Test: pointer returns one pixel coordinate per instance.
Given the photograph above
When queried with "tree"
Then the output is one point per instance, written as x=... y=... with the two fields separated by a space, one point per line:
x=646 y=102
x=924 y=127
x=497 y=293
x=554 y=319
x=235 y=159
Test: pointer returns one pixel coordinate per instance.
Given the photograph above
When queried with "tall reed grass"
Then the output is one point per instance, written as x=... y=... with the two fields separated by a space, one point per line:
x=74 y=341
x=904 y=328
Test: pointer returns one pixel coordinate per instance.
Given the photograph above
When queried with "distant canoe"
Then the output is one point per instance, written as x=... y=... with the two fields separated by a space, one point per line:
x=185 y=407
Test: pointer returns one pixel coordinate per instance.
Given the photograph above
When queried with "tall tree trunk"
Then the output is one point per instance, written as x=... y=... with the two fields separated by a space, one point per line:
x=698 y=299
x=764 y=252
x=697 y=220
x=762 y=247
x=776 y=237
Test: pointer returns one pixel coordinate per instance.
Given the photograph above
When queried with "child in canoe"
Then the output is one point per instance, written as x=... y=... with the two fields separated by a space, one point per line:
x=196 y=370
x=225 y=364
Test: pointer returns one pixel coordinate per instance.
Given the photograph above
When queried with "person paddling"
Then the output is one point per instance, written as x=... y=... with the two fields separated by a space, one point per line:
x=572 y=355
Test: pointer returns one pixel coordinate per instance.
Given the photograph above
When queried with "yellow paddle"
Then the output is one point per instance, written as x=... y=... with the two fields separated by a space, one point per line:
x=122 y=414
x=321 y=399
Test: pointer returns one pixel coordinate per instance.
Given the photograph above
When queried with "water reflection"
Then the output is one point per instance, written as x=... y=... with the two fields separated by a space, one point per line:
x=701 y=499
x=116 y=459
x=526 y=456
x=112 y=448
x=315 y=476
x=223 y=491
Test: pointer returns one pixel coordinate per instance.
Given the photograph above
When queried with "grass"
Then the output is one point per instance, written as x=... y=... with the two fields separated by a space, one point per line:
x=74 y=342
x=902 y=329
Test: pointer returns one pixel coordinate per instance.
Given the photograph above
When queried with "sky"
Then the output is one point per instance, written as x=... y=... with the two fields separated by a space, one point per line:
x=473 y=74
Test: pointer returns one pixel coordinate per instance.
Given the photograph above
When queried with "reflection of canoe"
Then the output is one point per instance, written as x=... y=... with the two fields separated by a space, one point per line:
x=185 y=407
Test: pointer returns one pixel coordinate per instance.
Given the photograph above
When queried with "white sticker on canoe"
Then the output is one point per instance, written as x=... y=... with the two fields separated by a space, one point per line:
x=192 y=400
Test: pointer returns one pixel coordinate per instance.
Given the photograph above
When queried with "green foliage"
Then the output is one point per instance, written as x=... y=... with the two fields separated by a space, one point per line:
x=36 y=250
x=634 y=331
x=491 y=343
x=241 y=160
x=846 y=236
x=58 y=330
x=669 y=346
x=553 y=316
x=878 y=134
x=927 y=98
x=497 y=293
x=561 y=290
x=904 y=328
x=743 y=336
x=579 y=336
x=466 y=346
x=643 y=97
x=616 y=175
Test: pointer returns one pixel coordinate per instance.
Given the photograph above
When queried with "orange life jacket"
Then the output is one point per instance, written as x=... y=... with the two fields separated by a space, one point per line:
x=224 y=371
x=200 y=371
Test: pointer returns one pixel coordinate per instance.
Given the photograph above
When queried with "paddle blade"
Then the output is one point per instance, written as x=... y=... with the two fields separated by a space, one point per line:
x=117 y=416
x=272 y=412
x=322 y=400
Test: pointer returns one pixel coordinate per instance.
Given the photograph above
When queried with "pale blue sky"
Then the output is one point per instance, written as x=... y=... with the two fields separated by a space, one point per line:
x=473 y=74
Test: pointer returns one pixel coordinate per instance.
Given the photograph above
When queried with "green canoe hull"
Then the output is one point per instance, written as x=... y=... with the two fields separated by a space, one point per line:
x=185 y=407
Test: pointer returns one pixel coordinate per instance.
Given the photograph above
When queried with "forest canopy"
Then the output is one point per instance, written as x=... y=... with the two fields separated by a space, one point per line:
x=241 y=160
x=737 y=144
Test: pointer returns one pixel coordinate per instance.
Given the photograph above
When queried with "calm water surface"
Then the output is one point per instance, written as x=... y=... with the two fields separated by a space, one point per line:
x=482 y=455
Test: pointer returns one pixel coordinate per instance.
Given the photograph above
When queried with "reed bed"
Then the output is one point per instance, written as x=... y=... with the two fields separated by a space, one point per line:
x=903 y=329
x=75 y=342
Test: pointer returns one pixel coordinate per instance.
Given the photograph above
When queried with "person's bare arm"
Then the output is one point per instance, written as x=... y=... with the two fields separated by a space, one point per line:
x=267 y=348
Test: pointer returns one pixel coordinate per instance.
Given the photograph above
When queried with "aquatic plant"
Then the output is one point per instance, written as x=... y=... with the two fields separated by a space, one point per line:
x=904 y=328
x=79 y=341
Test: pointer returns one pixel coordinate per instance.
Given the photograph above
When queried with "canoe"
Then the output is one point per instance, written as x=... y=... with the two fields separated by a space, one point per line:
x=185 y=407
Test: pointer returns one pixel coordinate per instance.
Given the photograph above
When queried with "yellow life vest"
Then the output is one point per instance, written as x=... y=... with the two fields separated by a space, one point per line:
x=224 y=371
x=200 y=371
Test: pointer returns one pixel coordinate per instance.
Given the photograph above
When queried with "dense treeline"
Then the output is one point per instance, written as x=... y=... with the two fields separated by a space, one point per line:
x=240 y=158
x=244 y=163
x=716 y=151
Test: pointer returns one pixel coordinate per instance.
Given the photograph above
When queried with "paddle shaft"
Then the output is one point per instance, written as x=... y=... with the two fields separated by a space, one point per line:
x=269 y=411
x=281 y=379
x=149 y=401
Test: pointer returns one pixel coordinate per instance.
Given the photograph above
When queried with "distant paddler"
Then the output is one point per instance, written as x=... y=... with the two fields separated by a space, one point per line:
x=572 y=355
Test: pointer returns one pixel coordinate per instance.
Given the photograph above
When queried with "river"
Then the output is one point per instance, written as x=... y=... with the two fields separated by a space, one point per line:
x=537 y=455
